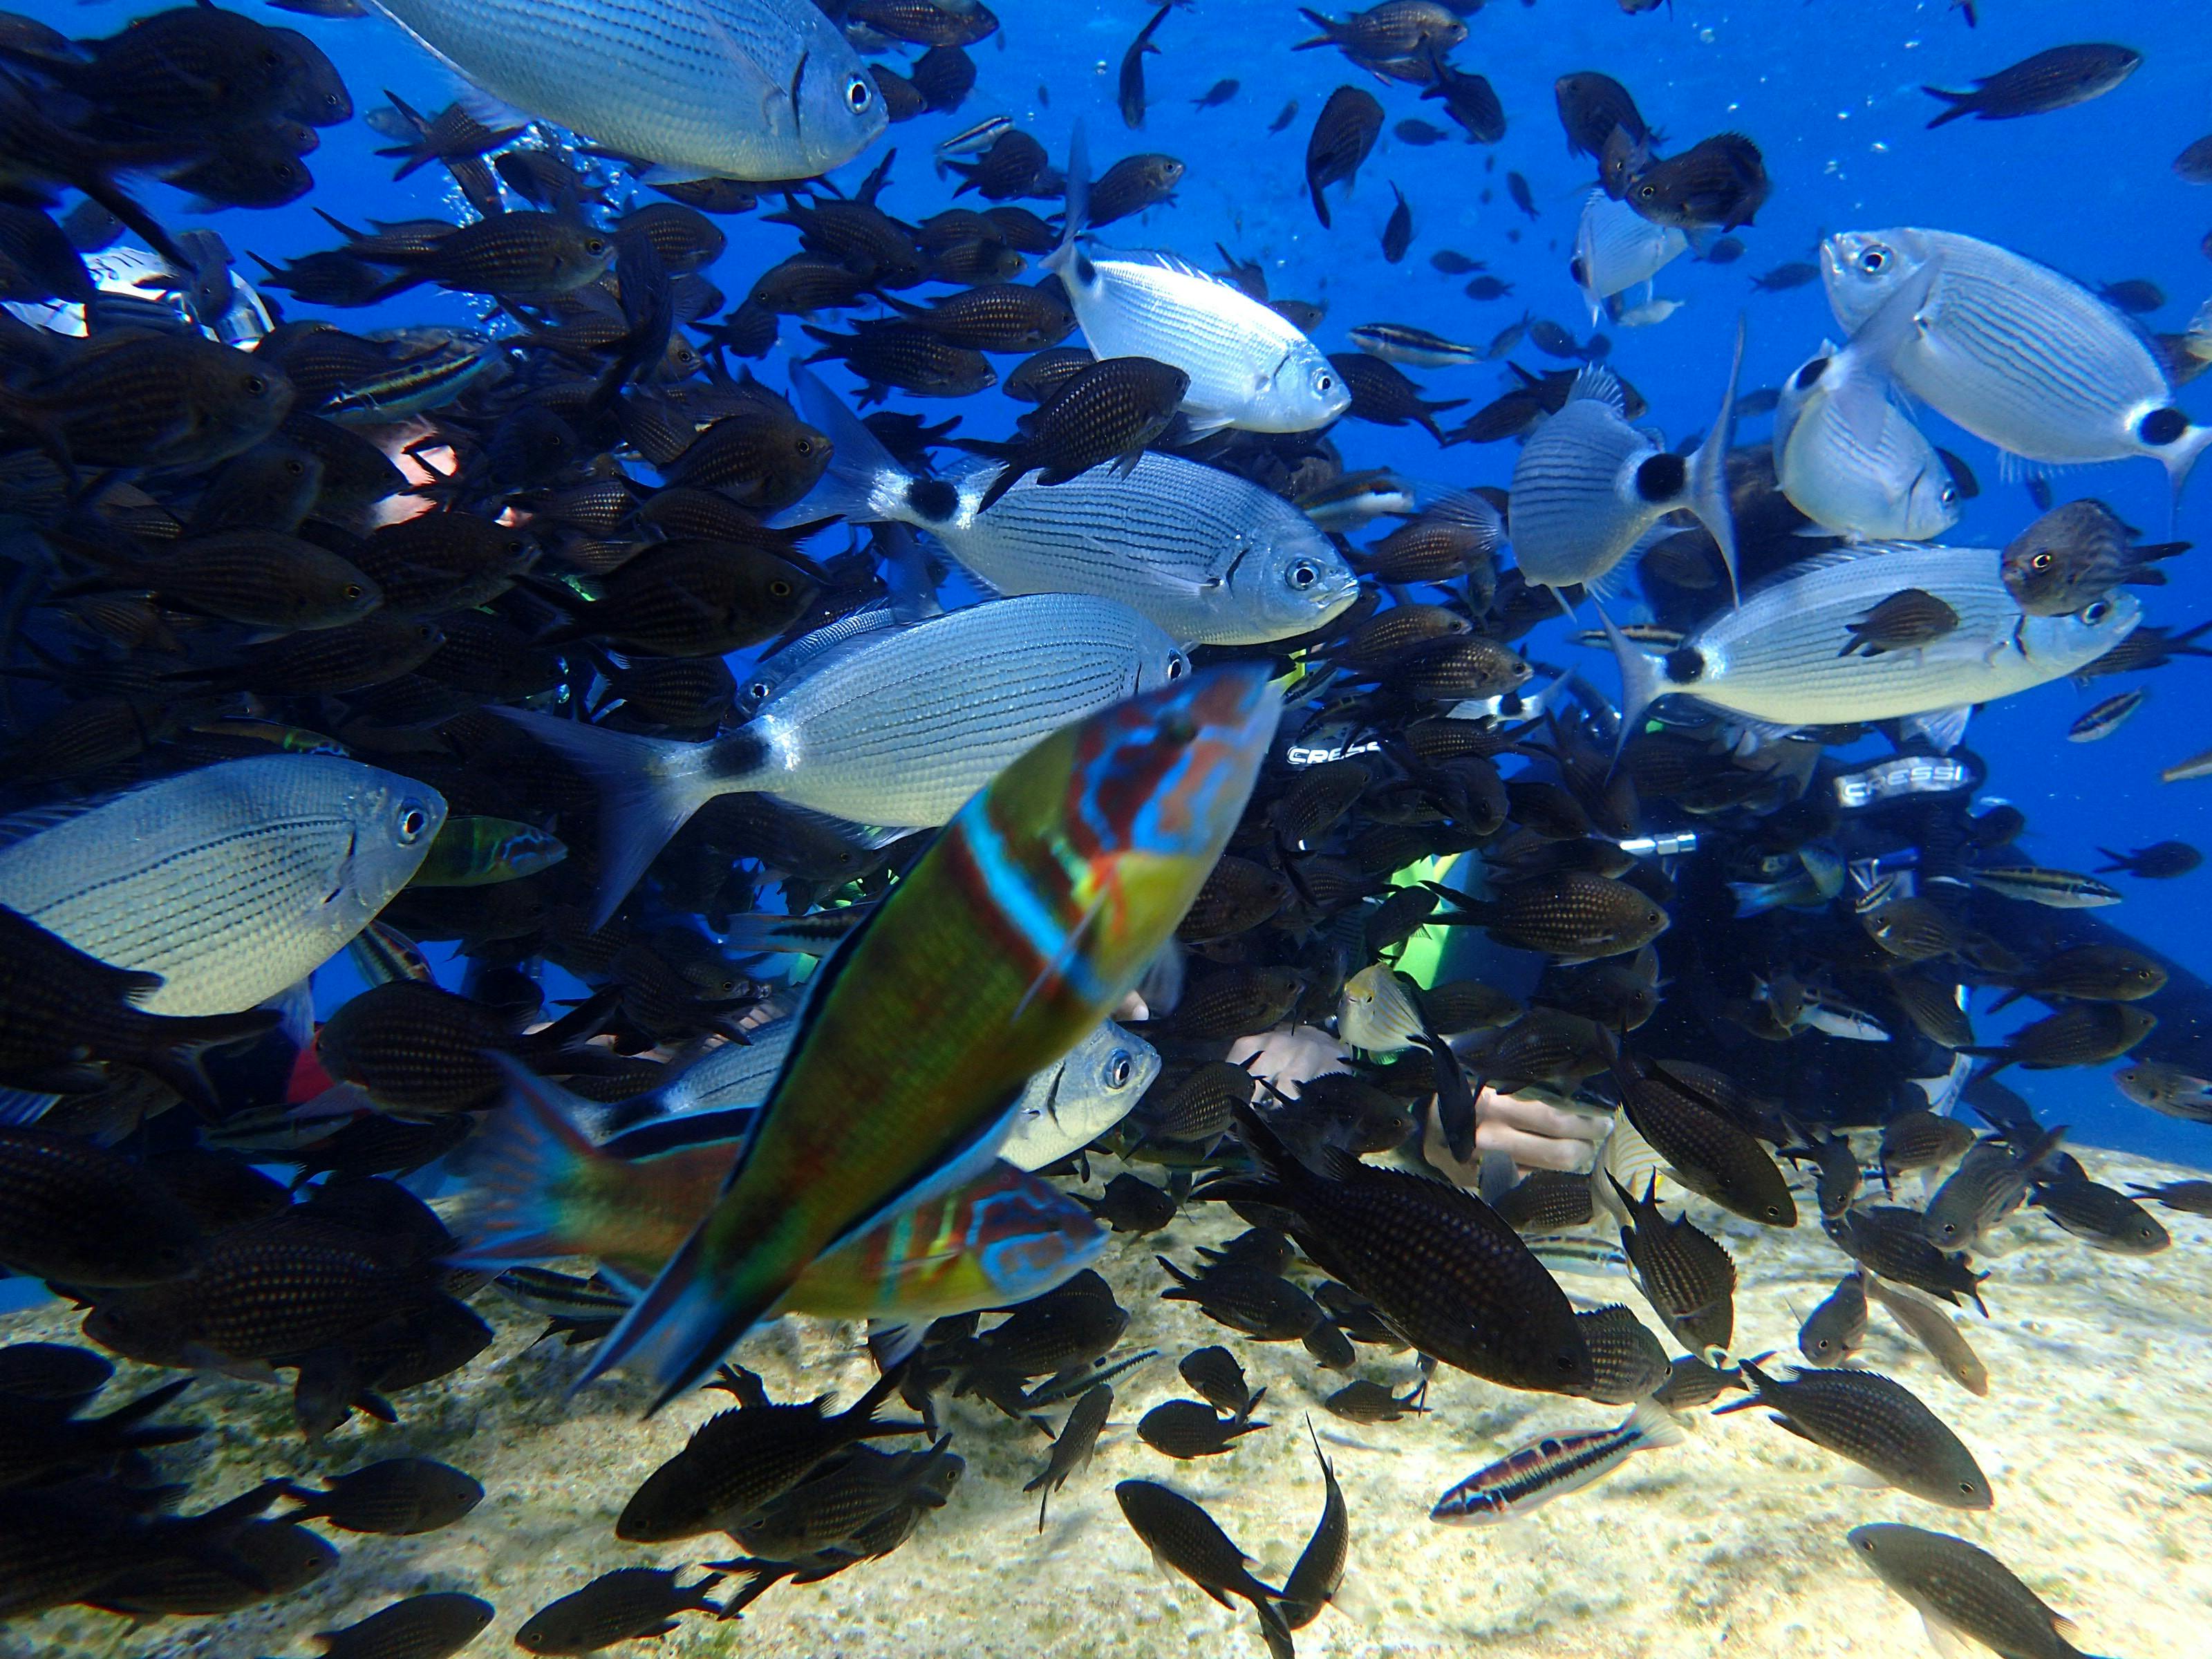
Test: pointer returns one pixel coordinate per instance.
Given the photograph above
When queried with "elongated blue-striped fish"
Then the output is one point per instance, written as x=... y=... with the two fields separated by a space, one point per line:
x=1535 y=1473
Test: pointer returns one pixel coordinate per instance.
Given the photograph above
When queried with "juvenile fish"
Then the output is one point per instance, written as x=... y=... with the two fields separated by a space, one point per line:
x=1961 y=1590
x=1933 y=1330
x=1834 y=1330
x=1684 y=1272
x=2059 y=78
x=1877 y=1424
x=1184 y=1539
x=1548 y=1468
x=1074 y=1445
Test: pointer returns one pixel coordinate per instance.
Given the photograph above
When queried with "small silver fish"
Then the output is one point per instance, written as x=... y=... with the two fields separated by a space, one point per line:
x=2106 y=717
x=1846 y=456
x=1616 y=247
x=1208 y=556
x=1588 y=484
x=1534 y=1474
x=974 y=141
x=898 y=726
x=1401 y=343
x=1248 y=366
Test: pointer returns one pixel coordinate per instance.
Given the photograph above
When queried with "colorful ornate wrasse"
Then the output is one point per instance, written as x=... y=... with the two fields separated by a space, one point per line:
x=1541 y=1470
x=544 y=1190
x=476 y=852
x=1024 y=924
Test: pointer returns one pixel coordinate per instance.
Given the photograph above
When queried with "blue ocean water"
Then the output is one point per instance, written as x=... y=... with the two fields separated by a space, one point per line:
x=1832 y=94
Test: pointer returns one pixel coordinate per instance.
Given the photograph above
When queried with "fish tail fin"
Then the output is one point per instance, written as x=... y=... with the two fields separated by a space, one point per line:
x=176 y=1062
x=1653 y=1424
x=2180 y=457
x=864 y=481
x=691 y=1316
x=1751 y=898
x=1077 y=201
x=521 y=1163
x=647 y=787
x=1958 y=104
x=1709 y=491
x=1641 y=684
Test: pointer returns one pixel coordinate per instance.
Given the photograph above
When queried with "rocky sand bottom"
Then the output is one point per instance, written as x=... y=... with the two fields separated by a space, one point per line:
x=2097 y=1434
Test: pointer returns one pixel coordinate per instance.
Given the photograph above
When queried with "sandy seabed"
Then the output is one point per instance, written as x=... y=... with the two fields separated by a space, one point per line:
x=2096 y=1433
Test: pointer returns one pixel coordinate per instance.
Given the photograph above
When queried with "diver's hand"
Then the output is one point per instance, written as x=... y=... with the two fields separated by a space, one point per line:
x=1534 y=1133
x=1287 y=1058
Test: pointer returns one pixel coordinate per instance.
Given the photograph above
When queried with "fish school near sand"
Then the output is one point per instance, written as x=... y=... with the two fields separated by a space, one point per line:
x=1402 y=800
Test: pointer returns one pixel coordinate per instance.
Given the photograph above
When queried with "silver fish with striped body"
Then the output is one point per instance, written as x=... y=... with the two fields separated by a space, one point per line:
x=701 y=89
x=1773 y=659
x=1588 y=484
x=896 y=727
x=1846 y=456
x=1249 y=366
x=1616 y=248
x=1066 y=1107
x=231 y=882
x=2015 y=353
x=1211 y=557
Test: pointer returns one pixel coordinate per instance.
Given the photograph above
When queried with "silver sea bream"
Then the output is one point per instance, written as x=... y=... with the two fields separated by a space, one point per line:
x=1211 y=557
x=898 y=726
x=701 y=89
x=1775 y=658
x=2015 y=353
x=231 y=882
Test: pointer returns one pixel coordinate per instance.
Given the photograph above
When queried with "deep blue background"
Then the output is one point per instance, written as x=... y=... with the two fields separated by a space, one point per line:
x=1830 y=91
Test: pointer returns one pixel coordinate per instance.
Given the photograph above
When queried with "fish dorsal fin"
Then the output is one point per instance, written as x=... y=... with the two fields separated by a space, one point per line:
x=1598 y=382
x=1851 y=553
x=37 y=820
x=1160 y=260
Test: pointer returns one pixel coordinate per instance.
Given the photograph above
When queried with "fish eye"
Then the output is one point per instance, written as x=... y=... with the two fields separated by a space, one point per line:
x=2095 y=612
x=1873 y=261
x=1177 y=666
x=858 y=94
x=1325 y=383
x=1648 y=192
x=255 y=385
x=1120 y=1069
x=804 y=445
x=413 y=821
x=295 y=468
x=595 y=245
x=351 y=591
x=780 y=588
x=1304 y=576
x=758 y=689
x=2042 y=561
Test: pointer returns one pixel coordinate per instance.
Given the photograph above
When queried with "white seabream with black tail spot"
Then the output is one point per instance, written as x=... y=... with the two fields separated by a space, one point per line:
x=2015 y=353
x=1588 y=484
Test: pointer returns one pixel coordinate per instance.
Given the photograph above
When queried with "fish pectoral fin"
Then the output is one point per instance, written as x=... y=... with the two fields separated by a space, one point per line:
x=1945 y=1637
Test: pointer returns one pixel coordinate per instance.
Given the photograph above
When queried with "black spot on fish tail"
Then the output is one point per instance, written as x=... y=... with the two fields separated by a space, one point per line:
x=1685 y=665
x=1662 y=478
x=2162 y=426
x=1808 y=376
x=935 y=499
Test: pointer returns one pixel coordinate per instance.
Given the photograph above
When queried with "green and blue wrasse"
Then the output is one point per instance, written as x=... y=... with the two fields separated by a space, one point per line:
x=1032 y=917
x=544 y=1189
